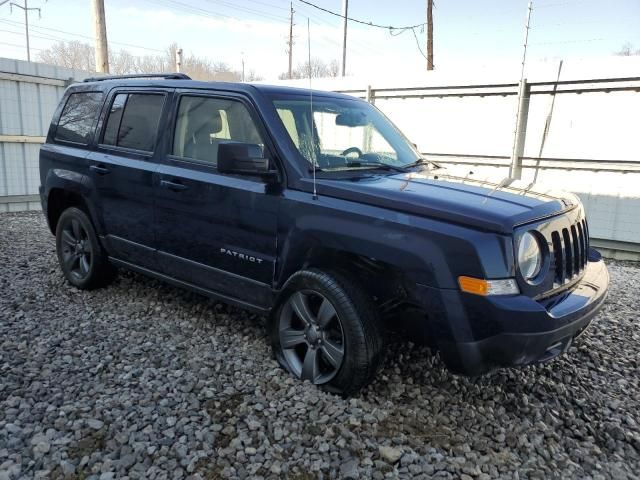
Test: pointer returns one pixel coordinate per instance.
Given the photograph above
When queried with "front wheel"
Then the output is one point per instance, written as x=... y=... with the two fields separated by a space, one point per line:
x=327 y=331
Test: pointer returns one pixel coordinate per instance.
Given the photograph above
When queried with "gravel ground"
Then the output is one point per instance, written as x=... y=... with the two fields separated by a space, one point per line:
x=147 y=381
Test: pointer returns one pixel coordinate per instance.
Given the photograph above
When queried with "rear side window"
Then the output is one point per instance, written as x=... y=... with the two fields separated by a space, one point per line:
x=78 y=117
x=133 y=120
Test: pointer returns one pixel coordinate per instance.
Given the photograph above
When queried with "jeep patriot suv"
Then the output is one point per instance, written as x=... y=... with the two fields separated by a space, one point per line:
x=312 y=208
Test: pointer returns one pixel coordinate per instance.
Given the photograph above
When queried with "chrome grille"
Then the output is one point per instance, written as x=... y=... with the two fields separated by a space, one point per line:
x=570 y=251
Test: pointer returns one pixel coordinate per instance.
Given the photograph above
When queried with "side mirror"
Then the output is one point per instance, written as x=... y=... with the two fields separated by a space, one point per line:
x=242 y=158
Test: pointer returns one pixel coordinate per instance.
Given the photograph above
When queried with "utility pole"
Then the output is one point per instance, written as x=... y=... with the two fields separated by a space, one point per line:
x=178 y=59
x=429 y=34
x=291 y=42
x=100 y=31
x=242 y=54
x=345 y=14
x=26 y=22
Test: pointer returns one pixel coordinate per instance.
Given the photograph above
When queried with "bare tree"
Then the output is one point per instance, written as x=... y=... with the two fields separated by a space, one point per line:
x=73 y=54
x=80 y=56
x=318 y=68
x=252 y=76
x=627 y=50
x=333 y=68
x=122 y=62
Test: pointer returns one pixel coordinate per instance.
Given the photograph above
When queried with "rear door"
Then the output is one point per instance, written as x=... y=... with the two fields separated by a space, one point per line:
x=122 y=169
x=216 y=231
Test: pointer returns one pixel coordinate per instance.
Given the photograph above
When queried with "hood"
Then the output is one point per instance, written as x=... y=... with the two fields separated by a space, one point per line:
x=483 y=203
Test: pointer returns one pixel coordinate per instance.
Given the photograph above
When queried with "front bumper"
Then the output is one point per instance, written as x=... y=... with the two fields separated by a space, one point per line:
x=478 y=334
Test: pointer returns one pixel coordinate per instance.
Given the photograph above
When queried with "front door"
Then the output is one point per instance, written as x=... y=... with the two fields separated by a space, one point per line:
x=215 y=231
x=122 y=172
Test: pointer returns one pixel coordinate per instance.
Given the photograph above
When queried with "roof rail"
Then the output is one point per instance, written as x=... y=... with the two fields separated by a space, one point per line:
x=165 y=76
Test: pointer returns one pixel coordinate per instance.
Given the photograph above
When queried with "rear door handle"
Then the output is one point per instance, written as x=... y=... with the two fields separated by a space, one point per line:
x=175 y=186
x=99 y=169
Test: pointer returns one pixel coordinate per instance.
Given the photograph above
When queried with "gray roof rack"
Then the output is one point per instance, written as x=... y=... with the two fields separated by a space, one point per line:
x=165 y=76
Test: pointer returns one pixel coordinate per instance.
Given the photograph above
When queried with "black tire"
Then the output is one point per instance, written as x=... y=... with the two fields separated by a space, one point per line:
x=82 y=259
x=358 y=320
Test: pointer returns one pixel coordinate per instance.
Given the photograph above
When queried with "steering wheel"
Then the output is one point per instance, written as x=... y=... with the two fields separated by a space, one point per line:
x=352 y=150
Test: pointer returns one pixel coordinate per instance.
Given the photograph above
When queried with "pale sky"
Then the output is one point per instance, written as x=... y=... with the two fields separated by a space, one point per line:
x=222 y=30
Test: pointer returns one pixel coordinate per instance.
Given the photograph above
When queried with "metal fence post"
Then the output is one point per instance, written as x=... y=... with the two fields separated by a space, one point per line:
x=367 y=131
x=515 y=171
x=371 y=95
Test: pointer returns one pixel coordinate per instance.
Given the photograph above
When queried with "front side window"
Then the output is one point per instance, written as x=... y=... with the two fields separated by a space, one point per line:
x=204 y=122
x=340 y=133
x=133 y=120
x=78 y=117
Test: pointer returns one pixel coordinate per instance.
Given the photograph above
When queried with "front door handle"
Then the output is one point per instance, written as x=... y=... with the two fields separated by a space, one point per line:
x=175 y=186
x=99 y=169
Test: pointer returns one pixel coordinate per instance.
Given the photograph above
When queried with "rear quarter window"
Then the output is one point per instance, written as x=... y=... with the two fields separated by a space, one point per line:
x=78 y=117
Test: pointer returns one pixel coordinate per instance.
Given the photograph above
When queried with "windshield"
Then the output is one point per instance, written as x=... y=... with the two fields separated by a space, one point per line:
x=343 y=134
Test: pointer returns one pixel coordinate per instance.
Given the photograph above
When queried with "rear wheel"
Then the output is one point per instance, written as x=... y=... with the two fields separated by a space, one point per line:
x=327 y=331
x=81 y=257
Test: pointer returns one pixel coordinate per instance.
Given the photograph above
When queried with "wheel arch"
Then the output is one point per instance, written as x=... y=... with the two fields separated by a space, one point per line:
x=68 y=188
x=58 y=200
x=381 y=280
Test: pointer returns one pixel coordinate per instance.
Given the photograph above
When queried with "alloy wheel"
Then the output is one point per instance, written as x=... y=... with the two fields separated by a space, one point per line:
x=77 y=253
x=311 y=336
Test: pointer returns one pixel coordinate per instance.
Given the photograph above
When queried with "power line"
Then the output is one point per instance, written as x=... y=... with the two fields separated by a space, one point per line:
x=362 y=22
x=394 y=31
x=252 y=11
x=26 y=9
x=269 y=4
x=418 y=44
x=415 y=35
x=560 y=4
x=361 y=46
x=40 y=28
x=569 y=41
x=40 y=35
x=13 y=32
x=182 y=7
x=17 y=46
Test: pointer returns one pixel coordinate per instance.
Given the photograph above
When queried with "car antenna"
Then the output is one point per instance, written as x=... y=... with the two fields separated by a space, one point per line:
x=313 y=135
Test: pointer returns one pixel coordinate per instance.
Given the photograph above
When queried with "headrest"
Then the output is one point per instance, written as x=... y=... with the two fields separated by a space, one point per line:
x=202 y=117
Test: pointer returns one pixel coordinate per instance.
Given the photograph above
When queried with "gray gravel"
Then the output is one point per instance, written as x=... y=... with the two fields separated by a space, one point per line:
x=147 y=381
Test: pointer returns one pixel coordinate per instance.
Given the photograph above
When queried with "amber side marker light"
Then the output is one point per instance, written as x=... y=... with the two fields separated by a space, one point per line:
x=480 y=286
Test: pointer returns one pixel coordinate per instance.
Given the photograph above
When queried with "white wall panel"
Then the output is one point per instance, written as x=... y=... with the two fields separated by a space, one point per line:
x=594 y=125
x=26 y=109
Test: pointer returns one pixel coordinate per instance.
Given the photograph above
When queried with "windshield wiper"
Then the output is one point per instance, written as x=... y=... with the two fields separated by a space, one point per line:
x=380 y=165
x=421 y=161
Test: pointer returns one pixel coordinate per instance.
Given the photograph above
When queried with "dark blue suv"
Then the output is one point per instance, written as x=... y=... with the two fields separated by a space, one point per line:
x=312 y=207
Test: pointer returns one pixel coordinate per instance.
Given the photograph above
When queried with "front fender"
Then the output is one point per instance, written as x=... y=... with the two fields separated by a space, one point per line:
x=427 y=251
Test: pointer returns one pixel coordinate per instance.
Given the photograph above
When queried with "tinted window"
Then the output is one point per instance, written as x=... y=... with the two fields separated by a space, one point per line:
x=78 y=117
x=133 y=121
x=203 y=123
x=113 y=122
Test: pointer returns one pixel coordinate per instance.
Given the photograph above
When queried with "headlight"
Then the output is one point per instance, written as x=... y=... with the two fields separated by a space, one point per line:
x=529 y=256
